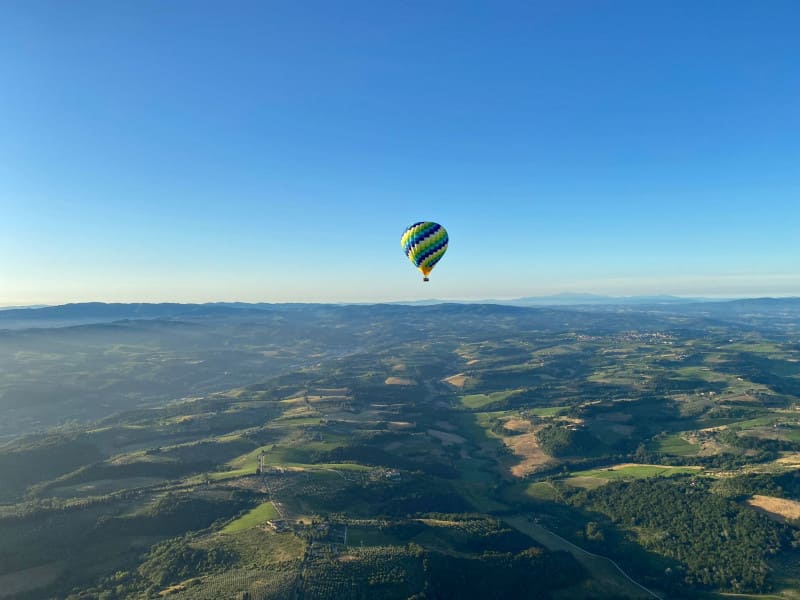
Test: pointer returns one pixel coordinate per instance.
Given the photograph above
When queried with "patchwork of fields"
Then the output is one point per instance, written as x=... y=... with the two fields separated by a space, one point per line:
x=545 y=438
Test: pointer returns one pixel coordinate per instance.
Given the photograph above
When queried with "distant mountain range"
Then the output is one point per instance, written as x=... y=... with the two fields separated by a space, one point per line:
x=99 y=312
x=569 y=299
x=23 y=307
x=566 y=298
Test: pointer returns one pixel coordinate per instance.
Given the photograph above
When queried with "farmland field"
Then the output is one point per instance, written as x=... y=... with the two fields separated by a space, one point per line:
x=259 y=515
x=566 y=443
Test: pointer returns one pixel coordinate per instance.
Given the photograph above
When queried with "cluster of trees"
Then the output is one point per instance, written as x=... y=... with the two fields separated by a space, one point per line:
x=779 y=375
x=40 y=508
x=724 y=460
x=108 y=470
x=369 y=454
x=407 y=496
x=39 y=458
x=176 y=560
x=527 y=574
x=412 y=572
x=733 y=437
x=564 y=441
x=379 y=573
x=167 y=563
x=715 y=540
x=786 y=485
x=464 y=533
x=175 y=514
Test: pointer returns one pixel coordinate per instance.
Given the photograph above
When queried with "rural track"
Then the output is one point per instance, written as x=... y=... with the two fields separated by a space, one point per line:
x=586 y=558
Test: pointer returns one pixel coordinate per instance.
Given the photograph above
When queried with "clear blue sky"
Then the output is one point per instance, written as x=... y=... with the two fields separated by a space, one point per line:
x=275 y=151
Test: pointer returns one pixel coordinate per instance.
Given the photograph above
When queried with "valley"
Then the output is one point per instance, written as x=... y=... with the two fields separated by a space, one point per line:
x=410 y=452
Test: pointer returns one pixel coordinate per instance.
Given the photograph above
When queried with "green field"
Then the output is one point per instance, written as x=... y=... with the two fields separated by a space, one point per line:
x=548 y=411
x=480 y=400
x=337 y=467
x=675 y=445
x=757 y=422
x=260 y=514
x=755 y=347
x=542 y=490
x=635 y=472
x=233 y=474
x=791 y=433
x=704 y=373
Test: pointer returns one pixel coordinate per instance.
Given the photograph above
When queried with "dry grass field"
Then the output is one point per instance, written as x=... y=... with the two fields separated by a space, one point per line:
x=399 y=381
x=457 y=381
x=526 y=448
x=778 y=508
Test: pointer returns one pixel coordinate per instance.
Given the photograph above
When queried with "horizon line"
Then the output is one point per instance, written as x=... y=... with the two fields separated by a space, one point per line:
x=565 y=295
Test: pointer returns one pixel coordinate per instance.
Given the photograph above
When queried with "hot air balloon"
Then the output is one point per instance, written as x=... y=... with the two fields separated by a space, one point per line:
x=424 y=244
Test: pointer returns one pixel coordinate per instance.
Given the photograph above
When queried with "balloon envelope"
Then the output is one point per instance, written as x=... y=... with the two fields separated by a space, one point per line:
x=424 y=243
